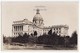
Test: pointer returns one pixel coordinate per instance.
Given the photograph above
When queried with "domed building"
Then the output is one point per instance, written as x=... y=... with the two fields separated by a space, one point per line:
x=37 y=19
x=37 y=25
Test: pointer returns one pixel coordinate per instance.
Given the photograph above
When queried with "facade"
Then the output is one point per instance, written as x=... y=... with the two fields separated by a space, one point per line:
x=26 y=26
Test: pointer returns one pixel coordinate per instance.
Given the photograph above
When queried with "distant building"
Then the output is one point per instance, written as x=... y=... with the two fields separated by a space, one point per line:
x=26 y=26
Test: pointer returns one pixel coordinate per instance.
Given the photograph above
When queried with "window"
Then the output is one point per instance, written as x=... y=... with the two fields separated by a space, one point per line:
x=59 y=28
x=54 y=28
x=14 y=33
x=59 y=31
x=35 y=21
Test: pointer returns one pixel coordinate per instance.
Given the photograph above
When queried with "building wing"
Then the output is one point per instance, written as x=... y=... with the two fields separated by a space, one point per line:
x=22 y=22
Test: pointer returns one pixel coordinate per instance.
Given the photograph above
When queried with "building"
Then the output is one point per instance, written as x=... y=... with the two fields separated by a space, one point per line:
x=26 y=26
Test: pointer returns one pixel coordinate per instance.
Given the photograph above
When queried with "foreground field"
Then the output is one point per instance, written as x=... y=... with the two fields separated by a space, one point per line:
x=36 y=47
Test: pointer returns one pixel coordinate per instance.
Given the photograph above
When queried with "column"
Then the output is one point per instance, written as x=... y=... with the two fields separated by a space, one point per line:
x=12 y=28
x=20 y=28
x=16 y=28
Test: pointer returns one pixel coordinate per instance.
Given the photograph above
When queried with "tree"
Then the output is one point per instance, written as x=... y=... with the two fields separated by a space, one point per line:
x=4 y=39
x=40 y=39
x=19 y=39
x=67 y=42
x=73 y=39
x=25 y=38
x=53 y=39
x=50 y=32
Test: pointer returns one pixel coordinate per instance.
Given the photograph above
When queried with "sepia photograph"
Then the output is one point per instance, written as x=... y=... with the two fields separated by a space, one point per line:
x=40 y=25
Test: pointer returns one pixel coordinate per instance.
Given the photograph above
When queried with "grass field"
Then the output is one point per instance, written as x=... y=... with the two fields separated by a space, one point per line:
x=36 y=47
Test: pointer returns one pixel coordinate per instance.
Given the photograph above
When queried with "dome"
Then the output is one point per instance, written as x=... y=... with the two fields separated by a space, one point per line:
x=37 y=17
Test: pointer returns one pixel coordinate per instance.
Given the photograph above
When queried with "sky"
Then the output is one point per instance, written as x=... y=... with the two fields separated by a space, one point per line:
x=56 y=13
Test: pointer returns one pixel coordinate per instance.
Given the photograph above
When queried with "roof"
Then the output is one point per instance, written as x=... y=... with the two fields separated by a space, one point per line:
x=60 y=26
x=25 y=21
x=56 y=26
x=37 y=17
